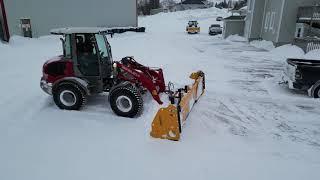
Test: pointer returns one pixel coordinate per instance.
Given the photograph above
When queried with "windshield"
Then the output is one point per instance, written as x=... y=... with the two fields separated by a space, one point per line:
x=103 y=50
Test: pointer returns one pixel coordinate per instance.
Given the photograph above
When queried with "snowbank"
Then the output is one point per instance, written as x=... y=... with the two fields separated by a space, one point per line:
x=285 y=51
x=236 y=38
x=315 y=55
x=291 y=51
x=288 y=51
x=267 y=45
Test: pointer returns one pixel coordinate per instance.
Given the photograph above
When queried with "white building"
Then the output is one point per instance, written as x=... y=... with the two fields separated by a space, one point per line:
x=37 y=17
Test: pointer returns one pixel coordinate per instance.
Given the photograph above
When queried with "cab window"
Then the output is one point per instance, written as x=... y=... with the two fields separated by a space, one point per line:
x=67 y=46
x=103 y=50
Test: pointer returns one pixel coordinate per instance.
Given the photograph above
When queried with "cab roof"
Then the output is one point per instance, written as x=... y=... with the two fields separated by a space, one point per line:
x=80 y=30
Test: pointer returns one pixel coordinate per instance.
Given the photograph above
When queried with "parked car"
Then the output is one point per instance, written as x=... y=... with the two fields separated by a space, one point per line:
x=303 y=74
x=215 y=29
x=219 y=18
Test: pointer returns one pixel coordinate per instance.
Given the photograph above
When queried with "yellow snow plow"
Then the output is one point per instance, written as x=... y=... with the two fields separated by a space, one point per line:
x=168 y=122
x=193 y=30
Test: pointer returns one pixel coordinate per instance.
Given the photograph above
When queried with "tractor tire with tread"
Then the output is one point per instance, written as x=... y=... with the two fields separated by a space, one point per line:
x=316 y=93
x=126 y=101
x=77 y=97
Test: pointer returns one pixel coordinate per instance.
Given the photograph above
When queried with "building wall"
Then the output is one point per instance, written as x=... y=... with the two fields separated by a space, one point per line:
x=272 y=18
x=1 y=31
x=48 y=14
x=2 y=36
x=1 y=27
x=288 y=24
x=248 y=19
x=233 y=27
x=254 y=19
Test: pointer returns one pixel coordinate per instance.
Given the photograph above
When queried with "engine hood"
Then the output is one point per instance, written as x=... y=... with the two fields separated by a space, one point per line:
x=54 y=59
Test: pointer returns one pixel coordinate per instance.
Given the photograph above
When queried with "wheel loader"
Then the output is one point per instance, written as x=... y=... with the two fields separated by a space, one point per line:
x=192 y=27
x=86 y=68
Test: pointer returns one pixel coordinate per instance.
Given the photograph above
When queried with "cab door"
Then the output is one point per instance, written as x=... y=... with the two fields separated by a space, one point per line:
x=87 y=61
x=105 y=56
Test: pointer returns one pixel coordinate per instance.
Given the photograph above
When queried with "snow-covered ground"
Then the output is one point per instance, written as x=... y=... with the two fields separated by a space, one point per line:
x=246 y=126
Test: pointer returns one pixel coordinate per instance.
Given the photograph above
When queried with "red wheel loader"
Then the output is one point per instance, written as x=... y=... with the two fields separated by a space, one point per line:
x=86 y=68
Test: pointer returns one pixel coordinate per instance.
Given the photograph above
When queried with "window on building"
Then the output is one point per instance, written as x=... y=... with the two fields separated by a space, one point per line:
x=272 y=19
x=266 y=21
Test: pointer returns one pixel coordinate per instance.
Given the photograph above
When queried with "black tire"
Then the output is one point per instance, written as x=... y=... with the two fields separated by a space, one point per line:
x=316 y=92
x=126 y=101
x=69 y=97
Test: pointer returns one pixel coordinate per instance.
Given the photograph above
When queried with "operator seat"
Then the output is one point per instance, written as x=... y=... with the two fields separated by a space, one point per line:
x=80 y=45
x=87 y=57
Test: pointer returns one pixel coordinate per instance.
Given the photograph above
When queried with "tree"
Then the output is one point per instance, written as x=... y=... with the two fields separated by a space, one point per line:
x=222 y=4
x=145 y=6
x=236 y=6
x=167 y=3
x=155 y=4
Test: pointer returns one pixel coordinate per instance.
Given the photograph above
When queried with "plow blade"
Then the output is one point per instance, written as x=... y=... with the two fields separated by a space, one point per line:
x=168 y=122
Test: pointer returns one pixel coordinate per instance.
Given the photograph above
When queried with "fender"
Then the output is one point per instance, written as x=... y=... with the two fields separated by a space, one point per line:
x=80 y=82
x=313 y=88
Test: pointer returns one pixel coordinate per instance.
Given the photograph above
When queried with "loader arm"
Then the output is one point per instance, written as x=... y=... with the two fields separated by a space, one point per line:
x=150 y=78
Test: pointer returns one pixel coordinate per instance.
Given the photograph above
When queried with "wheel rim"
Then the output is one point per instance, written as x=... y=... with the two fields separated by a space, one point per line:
x=124 y=103
x=68 y=98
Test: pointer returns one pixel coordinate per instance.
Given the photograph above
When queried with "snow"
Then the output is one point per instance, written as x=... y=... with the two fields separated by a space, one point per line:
x=285 y=51
x=288 y=51
x=314 y=54
x=246 y=126
x=236 y=38
x=244 y=8
x=263 y=44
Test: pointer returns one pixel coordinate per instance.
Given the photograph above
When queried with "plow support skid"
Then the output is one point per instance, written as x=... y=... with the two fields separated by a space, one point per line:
x=168 y=122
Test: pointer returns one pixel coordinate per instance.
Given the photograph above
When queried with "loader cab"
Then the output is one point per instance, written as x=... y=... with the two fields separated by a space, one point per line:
x=193 y=23
x=90 y=53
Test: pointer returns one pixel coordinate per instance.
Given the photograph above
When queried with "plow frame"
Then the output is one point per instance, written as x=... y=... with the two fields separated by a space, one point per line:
x=168 y=122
